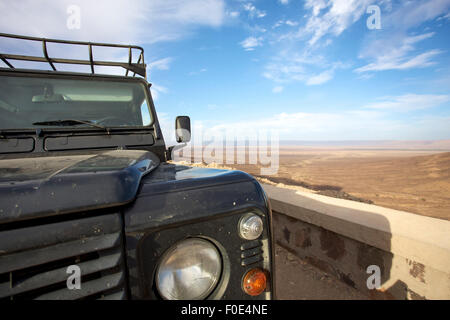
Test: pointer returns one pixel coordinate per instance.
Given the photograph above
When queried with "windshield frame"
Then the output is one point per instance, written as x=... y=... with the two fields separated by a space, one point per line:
x=26 y=73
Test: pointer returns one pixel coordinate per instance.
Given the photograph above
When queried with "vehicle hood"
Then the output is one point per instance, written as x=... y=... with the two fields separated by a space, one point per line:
x=44 y=186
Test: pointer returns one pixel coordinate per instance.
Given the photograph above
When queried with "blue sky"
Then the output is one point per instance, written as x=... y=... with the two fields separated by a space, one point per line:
x=311 y=70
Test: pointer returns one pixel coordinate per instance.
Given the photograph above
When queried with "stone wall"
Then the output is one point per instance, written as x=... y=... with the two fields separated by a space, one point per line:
x=345 y=238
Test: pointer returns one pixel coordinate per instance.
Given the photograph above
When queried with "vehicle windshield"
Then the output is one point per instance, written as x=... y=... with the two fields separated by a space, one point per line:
x=38 y=102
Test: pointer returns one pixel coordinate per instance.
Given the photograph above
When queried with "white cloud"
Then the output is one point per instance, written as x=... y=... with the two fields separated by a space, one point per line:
x=255 y=29
x=251 y=43
x=447 y=16
x=321 y=78
x=343 y=125
x=414 y=13
x=332 y=17
x=284 y=2
x=277 y=89
x=393 y=53
x=395 y=49
x=284 y=72
x=307 y=68
x=193 y=73
x=409 y=102
x=291 y=23
x=253 y=12
x=112 y=21
x=366 y=76
x=315 y=5
x=392 y=48
x=156 y=90
x=285 y=22
x=161 y=64
x=277 y=24
x=137 y=21
x=420 y=61
x=288 y=66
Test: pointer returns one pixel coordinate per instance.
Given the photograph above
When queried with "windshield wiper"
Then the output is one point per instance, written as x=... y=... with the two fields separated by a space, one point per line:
x=68 y=122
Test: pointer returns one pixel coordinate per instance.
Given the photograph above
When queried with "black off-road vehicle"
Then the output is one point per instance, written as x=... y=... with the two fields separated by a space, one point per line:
x=90 y=207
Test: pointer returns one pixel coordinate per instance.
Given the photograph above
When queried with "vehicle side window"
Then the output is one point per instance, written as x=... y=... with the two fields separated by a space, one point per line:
x=145 y=114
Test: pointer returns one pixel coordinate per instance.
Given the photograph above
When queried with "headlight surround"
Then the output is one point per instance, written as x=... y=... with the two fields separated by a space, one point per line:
x=189 y=270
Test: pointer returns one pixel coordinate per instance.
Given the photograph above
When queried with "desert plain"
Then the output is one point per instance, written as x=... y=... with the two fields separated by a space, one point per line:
x=410 y=176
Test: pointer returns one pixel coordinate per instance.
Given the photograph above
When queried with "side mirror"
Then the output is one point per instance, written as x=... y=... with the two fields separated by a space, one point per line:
x=183 y=129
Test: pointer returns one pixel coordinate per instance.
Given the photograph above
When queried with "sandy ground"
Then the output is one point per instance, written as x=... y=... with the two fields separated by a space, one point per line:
x=298 y=280
x=413 y=181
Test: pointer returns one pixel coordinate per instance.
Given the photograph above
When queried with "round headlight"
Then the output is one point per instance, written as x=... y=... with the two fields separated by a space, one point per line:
x=189 y=270
x=250 y=227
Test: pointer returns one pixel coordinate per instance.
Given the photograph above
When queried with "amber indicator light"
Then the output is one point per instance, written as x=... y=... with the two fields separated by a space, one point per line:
x=254 y=282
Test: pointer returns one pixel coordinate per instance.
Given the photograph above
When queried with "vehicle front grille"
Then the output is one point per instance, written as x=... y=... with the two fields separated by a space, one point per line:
x=34 y=261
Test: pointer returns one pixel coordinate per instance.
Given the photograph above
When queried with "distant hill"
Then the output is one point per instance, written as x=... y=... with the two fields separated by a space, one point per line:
x=438 y=145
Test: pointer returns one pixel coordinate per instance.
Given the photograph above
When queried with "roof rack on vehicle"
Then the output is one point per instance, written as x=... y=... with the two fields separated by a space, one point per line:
x=138 y=67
